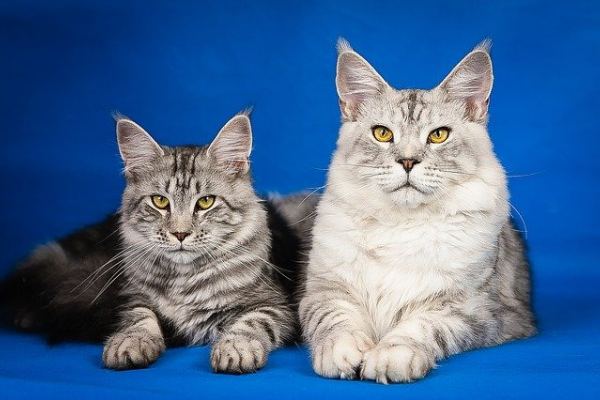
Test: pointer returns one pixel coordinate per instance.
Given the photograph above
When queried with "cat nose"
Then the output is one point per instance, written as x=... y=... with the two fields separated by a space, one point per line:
x=181 y=235
x=408 y=163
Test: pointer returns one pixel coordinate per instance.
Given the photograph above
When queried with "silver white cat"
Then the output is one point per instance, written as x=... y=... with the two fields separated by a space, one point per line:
x=414 y=254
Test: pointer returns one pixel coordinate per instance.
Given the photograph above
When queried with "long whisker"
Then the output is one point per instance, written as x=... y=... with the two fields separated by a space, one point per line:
x=366 y=165
x=521 y=218
x=122 y=270
x=109 y=235
x=245 y=251
x=119 y=258
x=523 y=175
x=159 y=253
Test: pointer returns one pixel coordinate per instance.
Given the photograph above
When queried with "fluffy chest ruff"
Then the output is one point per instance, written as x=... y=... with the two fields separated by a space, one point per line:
x=392 y=264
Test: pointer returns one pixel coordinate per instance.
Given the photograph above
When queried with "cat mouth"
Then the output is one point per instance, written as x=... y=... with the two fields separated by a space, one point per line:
x=407 y=186
x=180 y=249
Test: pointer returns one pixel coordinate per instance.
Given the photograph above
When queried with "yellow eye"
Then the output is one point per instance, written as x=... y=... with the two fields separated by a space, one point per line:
x=382 y=134
x=439 y=135
x=206 y=202
x=160 y=201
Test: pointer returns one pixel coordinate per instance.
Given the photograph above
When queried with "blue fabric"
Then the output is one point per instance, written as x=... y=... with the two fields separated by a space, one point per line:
x=183 y=69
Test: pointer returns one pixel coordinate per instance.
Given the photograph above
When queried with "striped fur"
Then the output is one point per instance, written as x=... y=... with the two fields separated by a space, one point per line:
x=409 y=266
x=131 y=280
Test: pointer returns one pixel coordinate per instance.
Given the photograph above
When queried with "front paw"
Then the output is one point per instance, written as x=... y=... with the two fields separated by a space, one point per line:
x=340 y=355
x=238 y=355
x=396 y=363
x=127 y=350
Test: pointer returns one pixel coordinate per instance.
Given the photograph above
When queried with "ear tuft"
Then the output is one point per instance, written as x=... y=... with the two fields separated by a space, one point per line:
x=485 y=45
x=136 y=146
x=343 y=46
x=356 y=81
x=471 y=81
x=246 y=111
x=232 y=146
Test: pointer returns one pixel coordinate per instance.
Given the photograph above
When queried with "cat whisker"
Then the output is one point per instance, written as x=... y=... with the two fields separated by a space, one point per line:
x=523 y=175
x=310 y=194
x=119 y=259
x=256 y=274
x=109 y=235
x=307 y=217
x=245 y=251
x=366 y=165
x=121 y=271
x=315 y=212
x=525 y=229
x=159 y=253
x=525 y=233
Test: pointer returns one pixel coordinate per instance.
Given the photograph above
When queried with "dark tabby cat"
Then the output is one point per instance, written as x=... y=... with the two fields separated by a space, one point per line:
x=193 y=256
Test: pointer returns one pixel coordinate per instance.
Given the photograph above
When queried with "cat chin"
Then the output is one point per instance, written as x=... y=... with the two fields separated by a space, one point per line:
x=410 y=197
x=181 y=257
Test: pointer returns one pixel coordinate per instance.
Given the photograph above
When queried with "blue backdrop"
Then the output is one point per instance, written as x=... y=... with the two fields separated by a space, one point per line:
x=181 y=69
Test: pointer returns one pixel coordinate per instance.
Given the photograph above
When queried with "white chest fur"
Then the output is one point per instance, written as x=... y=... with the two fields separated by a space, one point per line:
x=389 y=264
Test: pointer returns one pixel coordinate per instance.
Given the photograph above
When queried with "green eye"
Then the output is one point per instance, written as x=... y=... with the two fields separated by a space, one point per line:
x=206 y=202
x=160 y=201
x=439 y=135
x=382 y=134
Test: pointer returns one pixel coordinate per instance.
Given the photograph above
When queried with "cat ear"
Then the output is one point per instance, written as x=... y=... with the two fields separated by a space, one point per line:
x=136 y=146
x=471 y=81
x=233 y=144
x=356 y=81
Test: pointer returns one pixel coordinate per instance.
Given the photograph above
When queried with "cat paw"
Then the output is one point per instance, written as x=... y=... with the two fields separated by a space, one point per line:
x=389 y=363
x=340 y=355
x=128 y=350
x=238 y=355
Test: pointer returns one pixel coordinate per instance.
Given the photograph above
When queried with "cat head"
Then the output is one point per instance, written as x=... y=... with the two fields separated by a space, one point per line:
x=413 y=146
x=185 y=202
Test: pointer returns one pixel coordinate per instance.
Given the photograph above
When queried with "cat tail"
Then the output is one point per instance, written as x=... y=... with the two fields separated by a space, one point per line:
x=298 y=211
x=291 y=219
x=44 y=294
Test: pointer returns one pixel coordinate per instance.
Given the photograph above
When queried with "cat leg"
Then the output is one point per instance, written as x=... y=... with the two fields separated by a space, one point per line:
x=411 y=349
x=138 y=343
x=245 y=343
x=335 y=329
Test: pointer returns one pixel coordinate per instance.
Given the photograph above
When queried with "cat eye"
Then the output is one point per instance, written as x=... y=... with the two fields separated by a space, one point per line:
x=206 y=202
x=382 y=134
x=439 y=135
x=160 y=202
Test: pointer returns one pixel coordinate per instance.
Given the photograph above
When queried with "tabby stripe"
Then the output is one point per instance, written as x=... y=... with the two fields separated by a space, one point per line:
x=334 y=319
x=267 y=328
x=193 y=167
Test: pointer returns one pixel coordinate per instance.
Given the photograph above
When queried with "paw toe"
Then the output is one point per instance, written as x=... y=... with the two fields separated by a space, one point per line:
x=132 y=350
x=238 y=356
x=395 y=363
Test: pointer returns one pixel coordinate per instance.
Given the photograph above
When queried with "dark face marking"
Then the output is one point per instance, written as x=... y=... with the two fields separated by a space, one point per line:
x=412 y=103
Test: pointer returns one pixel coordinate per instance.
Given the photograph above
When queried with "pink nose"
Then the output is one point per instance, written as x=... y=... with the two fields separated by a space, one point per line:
x=408 y=163
x=181 y=235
